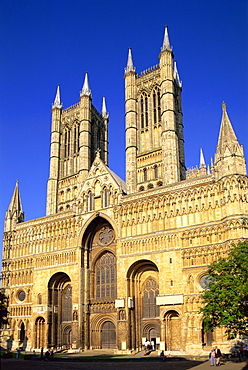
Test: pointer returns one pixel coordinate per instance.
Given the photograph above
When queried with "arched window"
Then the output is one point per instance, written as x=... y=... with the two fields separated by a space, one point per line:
x=145 y=174
x=67 y=304
x=90 y=202
x=39 y=299
x=144 y=110
x=106 y=276
x=67 y=143
x=155 y=171
x=156 y=106
x=76 y=139
x=150 y=309
x=105 y=195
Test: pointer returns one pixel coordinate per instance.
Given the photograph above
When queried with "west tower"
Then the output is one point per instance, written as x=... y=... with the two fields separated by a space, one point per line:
x=77 y=134
x=154 y=129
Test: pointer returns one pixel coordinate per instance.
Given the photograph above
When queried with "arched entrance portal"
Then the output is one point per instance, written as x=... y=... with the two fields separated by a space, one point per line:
x=172 y=331
x=143 y=288
x=60 y=317
x=39 y=341
x=99 y=261
x=22 y=332
x=108 y=335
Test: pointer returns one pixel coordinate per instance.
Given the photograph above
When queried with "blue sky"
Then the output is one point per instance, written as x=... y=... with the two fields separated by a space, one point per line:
x=45 y=43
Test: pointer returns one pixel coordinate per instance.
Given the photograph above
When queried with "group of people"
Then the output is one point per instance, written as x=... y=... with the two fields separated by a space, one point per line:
x=215 y=356
x=149 y=345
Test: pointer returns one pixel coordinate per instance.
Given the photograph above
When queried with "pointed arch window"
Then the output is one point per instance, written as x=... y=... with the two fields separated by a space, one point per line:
x=156 y=106
x=105 y=195
x=155 y=171
x=145 y=174
x=67 y=304
x=76 y=139
x=144 y=111
x=90 y=202
x=150 y=309
x=67 y=143
x=106 y=276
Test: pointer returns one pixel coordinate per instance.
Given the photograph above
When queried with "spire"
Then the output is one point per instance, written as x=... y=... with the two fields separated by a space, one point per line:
x=86 y=90
x=229 y=156
x=57 y=103
x=202 y=160
x=227 y=136
x=130 y=67
x=176 y=75
x=14 y=213
x=166 y=42
x=104 y=109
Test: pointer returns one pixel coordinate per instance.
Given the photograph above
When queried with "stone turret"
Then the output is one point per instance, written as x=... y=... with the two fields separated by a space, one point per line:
x=105 y=117
x=170 y=133
x=85 y=129
x=229 y=157
x=131 y=125
x=14 y=214
x=52 y=186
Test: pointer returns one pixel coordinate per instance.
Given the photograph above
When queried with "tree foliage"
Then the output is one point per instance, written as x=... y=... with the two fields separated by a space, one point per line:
x=226 y=298
x=3 y=309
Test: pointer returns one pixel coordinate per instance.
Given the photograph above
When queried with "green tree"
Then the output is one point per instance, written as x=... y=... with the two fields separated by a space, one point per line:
x=225 y=300
x=3 y=309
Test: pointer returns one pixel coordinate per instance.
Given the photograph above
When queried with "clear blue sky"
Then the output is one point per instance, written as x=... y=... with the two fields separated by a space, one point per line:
x=50 y=42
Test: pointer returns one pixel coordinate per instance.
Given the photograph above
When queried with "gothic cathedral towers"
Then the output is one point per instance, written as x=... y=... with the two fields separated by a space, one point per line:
x=154 y=130
x=77 y=134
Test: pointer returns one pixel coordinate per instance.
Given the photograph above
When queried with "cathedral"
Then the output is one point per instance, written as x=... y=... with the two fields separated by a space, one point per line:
x=115 y=263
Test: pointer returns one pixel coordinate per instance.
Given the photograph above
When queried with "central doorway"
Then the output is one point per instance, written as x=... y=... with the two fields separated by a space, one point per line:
x=108 y=335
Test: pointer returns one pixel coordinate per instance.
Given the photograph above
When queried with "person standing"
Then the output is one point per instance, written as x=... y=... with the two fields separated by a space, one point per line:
x=212 y=358
x=217 y=355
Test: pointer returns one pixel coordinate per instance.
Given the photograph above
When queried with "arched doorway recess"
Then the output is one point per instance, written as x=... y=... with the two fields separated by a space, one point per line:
x=99 y=273
x=60 y=314
x=172 y=331
x=108 y=335
x=143 y=288
x=39 y=340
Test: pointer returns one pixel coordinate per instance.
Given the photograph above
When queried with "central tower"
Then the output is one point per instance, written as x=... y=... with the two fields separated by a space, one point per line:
x=154 y=129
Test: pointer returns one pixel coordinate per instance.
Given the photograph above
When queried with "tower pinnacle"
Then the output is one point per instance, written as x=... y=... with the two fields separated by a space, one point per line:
x=166 y=42
x=176 y=75
x=86 y=90
x=202 y=159
x=104 y=109
x=130 y=67
x=57 y=102
x=14 y=214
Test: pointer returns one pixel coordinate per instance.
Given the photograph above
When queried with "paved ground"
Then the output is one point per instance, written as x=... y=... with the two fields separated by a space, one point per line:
x=138 y=364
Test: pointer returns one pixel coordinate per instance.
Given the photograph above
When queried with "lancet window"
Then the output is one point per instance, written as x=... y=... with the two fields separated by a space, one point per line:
x=150 y=309
x=67 y=304
x=90 y=202
x=105 y=195
x=76 y=139
x=67 y=143
x=155 y=171
x=106 y=276
x=145 y=174
x=156 y=106
x=144 y=111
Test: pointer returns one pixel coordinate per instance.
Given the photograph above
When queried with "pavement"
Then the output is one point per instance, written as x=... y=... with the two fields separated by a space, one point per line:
x=102 y=360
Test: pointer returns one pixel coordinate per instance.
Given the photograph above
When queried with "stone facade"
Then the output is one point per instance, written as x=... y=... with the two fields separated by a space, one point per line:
x=114 y=263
